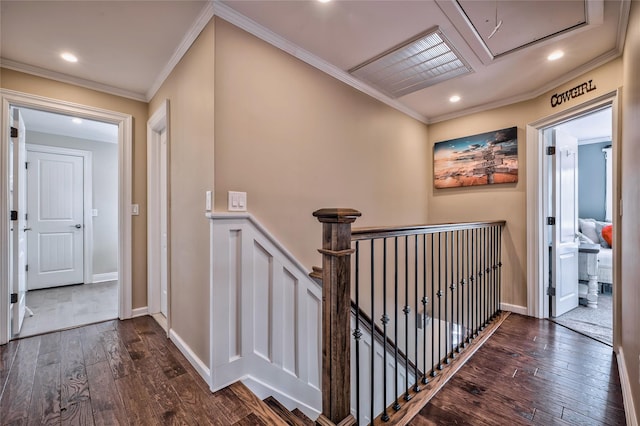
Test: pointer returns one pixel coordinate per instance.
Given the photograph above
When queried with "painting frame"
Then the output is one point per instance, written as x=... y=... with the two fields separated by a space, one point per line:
x=483 y=159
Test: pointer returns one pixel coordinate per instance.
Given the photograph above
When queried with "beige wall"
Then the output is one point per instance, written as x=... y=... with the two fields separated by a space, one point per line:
x=297 y=140
x=30 y=84
x=630 y=232
x=190 y=92
x=506 y=201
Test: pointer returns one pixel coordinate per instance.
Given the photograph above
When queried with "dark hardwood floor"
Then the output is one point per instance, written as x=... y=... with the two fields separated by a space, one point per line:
x=116 y=372
x=532 y=372
x=127 y=372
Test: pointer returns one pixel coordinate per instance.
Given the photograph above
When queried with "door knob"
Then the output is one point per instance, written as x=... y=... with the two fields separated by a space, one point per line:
x=26 y=229
x=77 y=226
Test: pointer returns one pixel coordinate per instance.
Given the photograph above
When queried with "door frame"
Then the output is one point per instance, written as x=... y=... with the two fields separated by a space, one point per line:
x=125 y=143
x=538 y=199
x=87 y=205
x=158 y=122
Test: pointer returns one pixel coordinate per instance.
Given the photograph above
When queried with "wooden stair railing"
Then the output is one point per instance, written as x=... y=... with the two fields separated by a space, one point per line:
x=336 y=313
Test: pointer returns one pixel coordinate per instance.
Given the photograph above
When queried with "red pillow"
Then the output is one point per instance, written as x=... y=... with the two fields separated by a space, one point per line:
x=607 y=234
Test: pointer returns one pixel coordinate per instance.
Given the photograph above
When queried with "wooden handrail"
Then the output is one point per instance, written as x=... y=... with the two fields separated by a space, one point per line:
x=358 y=234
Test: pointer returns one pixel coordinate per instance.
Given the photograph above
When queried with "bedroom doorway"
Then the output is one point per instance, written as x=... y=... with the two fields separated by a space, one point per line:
x=591 y=313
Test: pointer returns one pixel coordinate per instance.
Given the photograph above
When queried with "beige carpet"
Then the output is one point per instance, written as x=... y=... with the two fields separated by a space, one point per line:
x=596 y=323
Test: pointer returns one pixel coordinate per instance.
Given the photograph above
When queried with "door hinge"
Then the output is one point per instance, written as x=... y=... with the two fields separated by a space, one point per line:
x=14 y=132
x=551 y=291
x=551 y=220
x=26 y=268
x=26 y=216
x=14 y=297
x=551 y=150
x=26 y=165
x=14 y=215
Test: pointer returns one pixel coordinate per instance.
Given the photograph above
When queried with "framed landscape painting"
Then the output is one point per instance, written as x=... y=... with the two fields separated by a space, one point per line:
x=485 y=159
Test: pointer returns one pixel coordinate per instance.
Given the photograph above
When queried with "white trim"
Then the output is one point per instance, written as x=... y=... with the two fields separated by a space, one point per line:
x=69 y=79
x=203 y=19
x=228 y=14
x=537 y=257
x=594 y=140
x=125 y=145
x=516 y=309
x=193 y=359
x=102 y=278
x=625 y=383
x=159 y=121
x=87 y=200
x=139 y=312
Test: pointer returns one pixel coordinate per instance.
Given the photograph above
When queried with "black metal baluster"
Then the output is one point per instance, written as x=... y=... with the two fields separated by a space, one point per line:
x=357 y=334
x=396 y=405
x=385 y=322
x=406 y=310
x=440 y=366
x=416 y=387
x=446 y=298
x=486 y=279
x=481 y=279
x=452 y=280
x=476 y=285
x=425 y=301
x=500 y=266
x=460 y=294
x=433 y=312
x=469 y=282
x=494 y=267
x=373 y=330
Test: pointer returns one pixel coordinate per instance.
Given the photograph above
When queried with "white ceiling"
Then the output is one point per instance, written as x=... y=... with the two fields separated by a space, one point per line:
x=129 y=47
x=64 y=125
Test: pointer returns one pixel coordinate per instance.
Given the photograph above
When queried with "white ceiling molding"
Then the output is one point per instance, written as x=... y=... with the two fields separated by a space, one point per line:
x=225 y=12
x=203 y=19
x=76 y=81
x=601 y=60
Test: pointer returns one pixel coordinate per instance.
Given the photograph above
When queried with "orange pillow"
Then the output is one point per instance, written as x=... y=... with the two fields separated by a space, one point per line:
x=607 y=234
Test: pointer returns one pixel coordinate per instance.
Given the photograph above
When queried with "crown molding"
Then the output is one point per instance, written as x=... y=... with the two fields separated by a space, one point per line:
x=203 y=19
x=591 y=65
x=228 y=14
x=65 y=78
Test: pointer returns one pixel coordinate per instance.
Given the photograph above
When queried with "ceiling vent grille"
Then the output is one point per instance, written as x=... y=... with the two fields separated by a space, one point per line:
x=420 y=62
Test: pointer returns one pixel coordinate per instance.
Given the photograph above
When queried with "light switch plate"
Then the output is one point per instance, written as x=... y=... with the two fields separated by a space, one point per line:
x=135 y=209
x=207 y=201
x=237 y=201
x=94 y=212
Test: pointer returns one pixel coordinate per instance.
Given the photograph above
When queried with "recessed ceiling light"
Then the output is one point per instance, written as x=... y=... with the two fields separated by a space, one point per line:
x=555 y=55
x=69 y=57
x=76 y=120
x=454 y=98
x=324 y=1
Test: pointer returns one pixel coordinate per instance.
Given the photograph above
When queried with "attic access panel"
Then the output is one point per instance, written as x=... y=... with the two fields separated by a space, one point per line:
x=523 y=22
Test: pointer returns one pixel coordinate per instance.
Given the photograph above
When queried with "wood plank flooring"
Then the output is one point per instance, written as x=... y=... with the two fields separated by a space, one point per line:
x=127 y=372
x=531 y=372
x=115 y=373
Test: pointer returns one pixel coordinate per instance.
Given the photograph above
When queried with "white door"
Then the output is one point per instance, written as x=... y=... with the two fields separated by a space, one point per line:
x=564 y=244
x=55 y=207
x=19 y=240
x=164 y=255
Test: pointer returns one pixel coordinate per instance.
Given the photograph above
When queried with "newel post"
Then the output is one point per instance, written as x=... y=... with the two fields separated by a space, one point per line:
x=336 y=315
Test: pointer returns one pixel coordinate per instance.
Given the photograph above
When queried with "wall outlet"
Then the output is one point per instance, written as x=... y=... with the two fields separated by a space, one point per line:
x=237 y=201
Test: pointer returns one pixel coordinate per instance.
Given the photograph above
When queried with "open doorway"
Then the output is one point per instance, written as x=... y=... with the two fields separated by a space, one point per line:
x=70 y=221
x=581 y=298
x=12 y=223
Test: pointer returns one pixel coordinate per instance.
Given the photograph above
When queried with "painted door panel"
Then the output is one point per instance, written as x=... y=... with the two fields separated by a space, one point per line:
x=19 y=240
x=55 y=200
x=564 y=247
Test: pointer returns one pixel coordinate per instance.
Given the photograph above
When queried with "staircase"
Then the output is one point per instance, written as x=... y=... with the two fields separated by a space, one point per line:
x=269 y=411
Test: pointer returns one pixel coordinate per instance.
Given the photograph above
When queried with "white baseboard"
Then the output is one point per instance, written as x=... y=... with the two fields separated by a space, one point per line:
x=516 y=309
x=193 y=359
x=139 y=312
x=625 y=383
x=109 y=276
x=263 y=390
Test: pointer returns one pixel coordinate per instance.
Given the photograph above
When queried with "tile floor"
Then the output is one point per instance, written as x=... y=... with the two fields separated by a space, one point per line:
x=70 y=306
